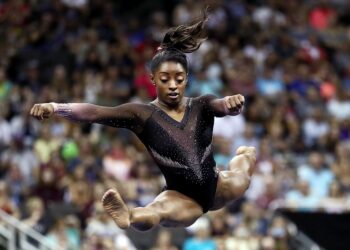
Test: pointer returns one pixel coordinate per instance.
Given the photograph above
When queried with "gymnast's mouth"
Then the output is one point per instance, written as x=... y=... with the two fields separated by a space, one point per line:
x=173 y=95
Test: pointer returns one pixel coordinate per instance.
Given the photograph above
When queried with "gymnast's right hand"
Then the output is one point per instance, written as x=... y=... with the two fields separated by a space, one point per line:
x=42 y=111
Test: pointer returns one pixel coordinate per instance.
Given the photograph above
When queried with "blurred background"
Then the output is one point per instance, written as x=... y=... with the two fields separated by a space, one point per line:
x=291 y=61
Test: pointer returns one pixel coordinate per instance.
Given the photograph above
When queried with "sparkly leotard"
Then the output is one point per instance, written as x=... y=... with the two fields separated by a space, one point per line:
x=182 y=150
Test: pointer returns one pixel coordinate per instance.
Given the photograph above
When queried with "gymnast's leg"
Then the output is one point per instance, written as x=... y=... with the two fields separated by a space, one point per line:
x=170 y=209
x=233 y=183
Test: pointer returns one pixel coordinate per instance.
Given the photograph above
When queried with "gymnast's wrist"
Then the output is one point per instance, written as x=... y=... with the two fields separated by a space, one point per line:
x=54 y=106
x=62 y=109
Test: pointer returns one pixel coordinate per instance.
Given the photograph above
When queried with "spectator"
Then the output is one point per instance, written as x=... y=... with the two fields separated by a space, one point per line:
x=200 y=240
x=5 y=127
x=279 y=232
x=146 y=186
x=185 y=11
x=301 y=198
x=36 y=217
x=247 y=138
x=316 y=174
x=337 y=200
x=224 y=154
x=47 y=188
x=314 y=128
x=204 y=84
x=103 y=228
x=21 y=155
x=249 y=221
x=341 y=166
x=5 y=85
x=339 y=106
x=242 y=239
x=60 y=237
x=116 y=163
x=164 y=241
x=6 y=203
x=320 y=15
x=229 y=127
x=269 y=86
x=45 y=145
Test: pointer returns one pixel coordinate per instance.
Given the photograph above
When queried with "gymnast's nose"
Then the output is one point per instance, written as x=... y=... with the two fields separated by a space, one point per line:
x=172 y=85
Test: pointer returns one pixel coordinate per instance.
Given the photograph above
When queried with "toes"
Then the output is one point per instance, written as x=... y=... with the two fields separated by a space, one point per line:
x=245 y=149
x=108 y=193
x=241 y=150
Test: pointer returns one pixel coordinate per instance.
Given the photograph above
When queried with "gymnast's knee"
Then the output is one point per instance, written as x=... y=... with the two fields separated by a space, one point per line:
x=144 y=219
x=189 y=216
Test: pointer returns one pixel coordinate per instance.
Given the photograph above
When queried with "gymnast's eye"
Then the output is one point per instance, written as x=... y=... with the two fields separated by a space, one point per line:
x=180 y=80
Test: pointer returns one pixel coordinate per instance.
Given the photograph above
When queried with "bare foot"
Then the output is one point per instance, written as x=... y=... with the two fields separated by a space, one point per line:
x=246 y=150
x=116 y=208
x=247 y=153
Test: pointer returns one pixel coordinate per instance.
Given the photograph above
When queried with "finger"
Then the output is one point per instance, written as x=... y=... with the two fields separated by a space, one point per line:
x=237 y=102
x=37 y=111
x=33 y=109
x=241 y=98
x=233 y=103
x=46 y=113
x=41 y=112
x=227 y=103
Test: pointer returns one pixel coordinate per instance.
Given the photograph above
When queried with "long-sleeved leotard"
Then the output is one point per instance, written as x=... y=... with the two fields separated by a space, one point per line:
x=182 y=150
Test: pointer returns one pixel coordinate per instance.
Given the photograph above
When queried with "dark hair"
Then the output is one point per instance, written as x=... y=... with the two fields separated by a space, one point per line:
x=178 y=41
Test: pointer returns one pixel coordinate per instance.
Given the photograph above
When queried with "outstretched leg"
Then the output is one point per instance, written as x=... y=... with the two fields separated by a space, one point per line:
x=233 y=183
x=170 y=208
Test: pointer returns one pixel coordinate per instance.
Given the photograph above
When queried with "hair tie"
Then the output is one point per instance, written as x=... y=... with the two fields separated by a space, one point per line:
x=160 y=49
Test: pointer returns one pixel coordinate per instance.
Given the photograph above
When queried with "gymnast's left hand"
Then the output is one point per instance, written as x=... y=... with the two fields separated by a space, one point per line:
x=234 y=103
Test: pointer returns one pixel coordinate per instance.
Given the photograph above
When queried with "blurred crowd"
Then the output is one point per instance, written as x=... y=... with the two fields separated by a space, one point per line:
x=290 y=59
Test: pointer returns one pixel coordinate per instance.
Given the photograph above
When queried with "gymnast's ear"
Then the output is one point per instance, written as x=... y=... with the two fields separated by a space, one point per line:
x=151 y=76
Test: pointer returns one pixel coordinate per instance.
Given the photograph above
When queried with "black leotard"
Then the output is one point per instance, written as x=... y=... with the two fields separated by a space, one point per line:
x=182 y=150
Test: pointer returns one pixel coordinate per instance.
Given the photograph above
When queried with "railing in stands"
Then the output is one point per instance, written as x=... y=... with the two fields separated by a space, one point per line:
x=298 y=239
x=15 y=235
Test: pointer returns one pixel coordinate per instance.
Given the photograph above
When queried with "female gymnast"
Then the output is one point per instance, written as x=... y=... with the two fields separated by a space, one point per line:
x=177 y=132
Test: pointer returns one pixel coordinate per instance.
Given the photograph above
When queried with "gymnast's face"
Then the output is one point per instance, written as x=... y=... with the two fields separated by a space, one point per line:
x=170 y=79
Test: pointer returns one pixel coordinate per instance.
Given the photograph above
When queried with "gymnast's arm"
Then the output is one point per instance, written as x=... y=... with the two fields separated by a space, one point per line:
x=229 y=105
x=124 y=116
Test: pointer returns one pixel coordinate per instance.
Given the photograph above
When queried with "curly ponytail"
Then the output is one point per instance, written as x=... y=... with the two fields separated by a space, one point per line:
x=179 y=40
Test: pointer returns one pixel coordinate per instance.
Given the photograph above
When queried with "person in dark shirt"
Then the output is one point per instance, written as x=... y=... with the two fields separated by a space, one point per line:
x=177 y=132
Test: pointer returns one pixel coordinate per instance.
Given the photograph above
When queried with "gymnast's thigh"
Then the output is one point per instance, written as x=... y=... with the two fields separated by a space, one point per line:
x=231 y=185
